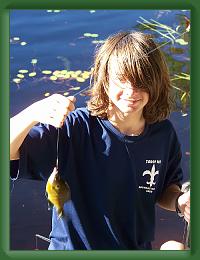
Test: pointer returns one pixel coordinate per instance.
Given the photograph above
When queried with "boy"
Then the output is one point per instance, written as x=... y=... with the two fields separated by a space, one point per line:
x=120 y=155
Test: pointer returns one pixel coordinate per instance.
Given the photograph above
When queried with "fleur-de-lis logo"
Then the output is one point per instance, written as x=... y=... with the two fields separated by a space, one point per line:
x=152 y=174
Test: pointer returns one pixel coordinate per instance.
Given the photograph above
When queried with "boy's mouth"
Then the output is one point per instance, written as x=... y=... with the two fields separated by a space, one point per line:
x=131 y=100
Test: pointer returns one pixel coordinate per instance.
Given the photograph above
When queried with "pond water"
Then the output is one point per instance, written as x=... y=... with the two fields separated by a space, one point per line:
x=60 y=40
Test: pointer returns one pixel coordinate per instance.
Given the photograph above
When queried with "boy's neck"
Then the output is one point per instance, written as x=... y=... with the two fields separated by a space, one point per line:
x=127 y=123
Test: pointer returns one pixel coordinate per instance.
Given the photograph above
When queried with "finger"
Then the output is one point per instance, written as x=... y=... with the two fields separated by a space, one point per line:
x=187 y=220
x=187 y=204
x=71 y=106
x=64 y=110
x=55 y=123
x=187 y=210
x=186 y=215
x=58 y=98
x=187 y=194
x=67 y=104
x=72 y=99
x=58 y=118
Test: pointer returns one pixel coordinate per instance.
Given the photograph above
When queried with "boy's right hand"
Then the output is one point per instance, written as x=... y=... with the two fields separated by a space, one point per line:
x=53 y=110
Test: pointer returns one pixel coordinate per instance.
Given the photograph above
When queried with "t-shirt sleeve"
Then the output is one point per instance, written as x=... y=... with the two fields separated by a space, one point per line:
x=38 y=153
x=174 y=173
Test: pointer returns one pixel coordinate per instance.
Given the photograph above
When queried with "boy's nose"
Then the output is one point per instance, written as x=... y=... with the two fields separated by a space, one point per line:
x=129 y=90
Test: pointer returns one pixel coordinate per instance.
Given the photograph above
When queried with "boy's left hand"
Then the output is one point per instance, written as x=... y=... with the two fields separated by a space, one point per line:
x=184 y=205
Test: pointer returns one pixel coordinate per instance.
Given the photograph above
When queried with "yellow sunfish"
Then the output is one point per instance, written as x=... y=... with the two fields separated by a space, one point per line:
x=58 y=191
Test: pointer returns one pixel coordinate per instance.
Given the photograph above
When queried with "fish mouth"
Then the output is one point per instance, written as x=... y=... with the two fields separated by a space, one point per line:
x=53 y=176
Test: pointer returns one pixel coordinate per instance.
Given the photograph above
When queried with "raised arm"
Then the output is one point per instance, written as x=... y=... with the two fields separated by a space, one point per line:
x=52 y=110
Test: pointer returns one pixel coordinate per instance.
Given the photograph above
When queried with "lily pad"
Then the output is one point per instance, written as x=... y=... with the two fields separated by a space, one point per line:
x=91 y=35
x=79 y=79
x=85 y=75
x=32 y=74
x=74 y=75
x=78 y=72
x=66 y=76
x=23 y=43
x=21 y=76
x=74 y=88
x=34 y=61
x=23 y=71
x=56 y=72
x=96 y=41
x=63 y=71
x=46 y=72
x=87 y=34
x=17 y=81
x=53 y=78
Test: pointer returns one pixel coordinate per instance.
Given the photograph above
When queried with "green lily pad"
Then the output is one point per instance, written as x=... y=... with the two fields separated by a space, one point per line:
x=74 y=88
x=34 y=61
x=32 y=74
x=21 y=76
x=23 y=71
x=17 y=81
x=23 y=43
x=46 y=72
x=53 y=78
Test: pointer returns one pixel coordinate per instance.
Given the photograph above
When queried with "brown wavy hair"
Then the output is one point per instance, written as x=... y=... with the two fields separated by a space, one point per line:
x=140 y=61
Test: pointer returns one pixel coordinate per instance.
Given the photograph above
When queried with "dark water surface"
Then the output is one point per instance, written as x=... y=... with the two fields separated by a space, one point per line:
x=56 y=40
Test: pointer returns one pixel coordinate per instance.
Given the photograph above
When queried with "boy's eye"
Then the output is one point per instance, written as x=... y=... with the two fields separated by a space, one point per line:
x=122 y=80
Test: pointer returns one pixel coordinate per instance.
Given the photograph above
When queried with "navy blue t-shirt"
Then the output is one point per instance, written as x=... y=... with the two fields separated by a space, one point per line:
x=115 y=179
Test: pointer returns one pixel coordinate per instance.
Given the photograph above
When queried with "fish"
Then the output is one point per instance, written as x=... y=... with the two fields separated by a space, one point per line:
x=57 y=191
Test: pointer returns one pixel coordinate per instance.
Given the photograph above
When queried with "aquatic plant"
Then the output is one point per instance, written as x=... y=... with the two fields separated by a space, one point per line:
x=174 y=43
x=64 y=77
x=17 y=40
x=166 y=31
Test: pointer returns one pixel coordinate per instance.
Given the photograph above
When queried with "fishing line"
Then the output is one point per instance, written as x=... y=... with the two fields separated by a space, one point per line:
x=57 y=158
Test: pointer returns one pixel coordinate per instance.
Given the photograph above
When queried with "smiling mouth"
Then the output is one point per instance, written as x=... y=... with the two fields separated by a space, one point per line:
x=132 y=100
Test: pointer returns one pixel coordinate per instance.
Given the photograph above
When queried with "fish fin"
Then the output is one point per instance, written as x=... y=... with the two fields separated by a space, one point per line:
x=46 y=194
x=50 y=204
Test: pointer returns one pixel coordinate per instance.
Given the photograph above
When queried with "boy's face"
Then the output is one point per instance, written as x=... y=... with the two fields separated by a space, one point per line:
x=124 y=96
